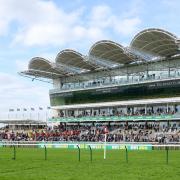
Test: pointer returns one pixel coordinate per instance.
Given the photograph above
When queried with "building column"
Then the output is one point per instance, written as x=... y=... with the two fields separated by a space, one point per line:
x=77 y=112
x=167 y=108
x=91 y=112
x=132 y=110
x=66 y=113
x=145 y=109
x=99 y=111
x=127 y=75
x=126 y=109
x=169 y=72
x=108 y=111
x=147 y=72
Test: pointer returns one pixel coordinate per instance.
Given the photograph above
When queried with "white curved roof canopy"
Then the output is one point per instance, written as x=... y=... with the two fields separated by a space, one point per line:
x=111 y=51
x=146 y=45
x=39 y=63
x=155 y=42
x=73 y=58
x=42 y=67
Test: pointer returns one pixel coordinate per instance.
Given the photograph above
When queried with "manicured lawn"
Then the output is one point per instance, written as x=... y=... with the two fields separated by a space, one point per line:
x=63 y=164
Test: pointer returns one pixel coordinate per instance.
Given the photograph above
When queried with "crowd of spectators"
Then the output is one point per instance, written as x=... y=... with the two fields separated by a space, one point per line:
x=95 y=133
x=122 y=112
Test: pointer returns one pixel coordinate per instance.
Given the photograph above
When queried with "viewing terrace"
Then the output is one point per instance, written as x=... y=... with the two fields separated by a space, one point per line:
x=116 y=81
x=152 y=54
x=162 y=109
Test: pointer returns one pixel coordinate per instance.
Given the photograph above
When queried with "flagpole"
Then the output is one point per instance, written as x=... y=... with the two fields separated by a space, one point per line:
x=47 y=114
x=16 y=114
x=46 y=117
x=40 y=108
x=38 y=115
x=105 y=137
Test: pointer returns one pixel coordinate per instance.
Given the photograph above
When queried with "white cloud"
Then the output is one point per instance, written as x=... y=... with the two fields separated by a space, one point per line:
x=15 y=92
x=172 y=4
x=102 y=16
x=127 y=26
x=43 y=23
x=16 y=88
x=53 y=28
x=21 y=65
x=4 y=19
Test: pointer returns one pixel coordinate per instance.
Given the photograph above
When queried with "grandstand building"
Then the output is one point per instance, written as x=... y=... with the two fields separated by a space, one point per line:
x=114 y=84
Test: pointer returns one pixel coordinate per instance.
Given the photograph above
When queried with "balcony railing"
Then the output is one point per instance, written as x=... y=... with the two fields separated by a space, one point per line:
x=122 y=81
x=115 y=118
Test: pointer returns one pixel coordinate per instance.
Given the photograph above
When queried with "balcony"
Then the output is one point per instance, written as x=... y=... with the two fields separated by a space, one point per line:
x=115 y=118
x=113 y=83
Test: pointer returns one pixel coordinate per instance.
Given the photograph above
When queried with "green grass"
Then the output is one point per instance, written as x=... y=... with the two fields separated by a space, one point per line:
x=63 y=164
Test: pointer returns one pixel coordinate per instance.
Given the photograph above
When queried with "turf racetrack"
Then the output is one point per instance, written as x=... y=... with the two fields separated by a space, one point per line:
x=63 y=164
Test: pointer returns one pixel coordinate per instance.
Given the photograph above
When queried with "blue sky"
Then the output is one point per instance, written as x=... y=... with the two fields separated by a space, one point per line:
x=43 y=28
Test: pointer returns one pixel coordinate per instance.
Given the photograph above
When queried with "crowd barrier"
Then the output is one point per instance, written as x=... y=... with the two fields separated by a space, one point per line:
x=94 y=145
x=91 y=147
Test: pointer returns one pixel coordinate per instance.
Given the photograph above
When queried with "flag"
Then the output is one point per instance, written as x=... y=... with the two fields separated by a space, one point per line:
x=24 y=109
x=10 y=110
x=40 y=108
x=32 y=109
x=18 y=109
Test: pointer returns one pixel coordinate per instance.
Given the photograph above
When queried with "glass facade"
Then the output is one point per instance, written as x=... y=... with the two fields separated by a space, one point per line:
x=132 y=92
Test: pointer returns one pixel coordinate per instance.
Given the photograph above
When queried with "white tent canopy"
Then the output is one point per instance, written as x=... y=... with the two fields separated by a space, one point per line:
x=73 y=58
x=106 y=54
x=111 y=51
x=156 y=42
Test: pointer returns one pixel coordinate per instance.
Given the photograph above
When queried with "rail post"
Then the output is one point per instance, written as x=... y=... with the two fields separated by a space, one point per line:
x=14 y=152
x=126 y=154
x=79 y=153
x=167 y=154
x=90 y=153
x=45 y=152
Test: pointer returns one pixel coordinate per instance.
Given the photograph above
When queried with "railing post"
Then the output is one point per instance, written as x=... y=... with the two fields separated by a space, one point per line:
x=126 y=154
x=45 y=152
x=90 y=153
x=79 y=153
x=14 y=152
x=167 y=154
